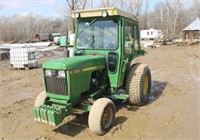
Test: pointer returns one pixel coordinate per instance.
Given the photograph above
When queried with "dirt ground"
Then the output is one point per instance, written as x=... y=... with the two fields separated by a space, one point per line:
x=172 y=113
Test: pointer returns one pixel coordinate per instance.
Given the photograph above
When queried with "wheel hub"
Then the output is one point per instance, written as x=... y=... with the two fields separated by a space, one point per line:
x=107 y=117
x=145 y=85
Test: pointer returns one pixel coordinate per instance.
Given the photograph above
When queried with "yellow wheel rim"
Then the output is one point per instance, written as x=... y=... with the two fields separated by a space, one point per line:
x=145 y=85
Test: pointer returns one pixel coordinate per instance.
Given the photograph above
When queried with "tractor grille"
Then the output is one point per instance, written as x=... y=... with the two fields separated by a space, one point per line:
x=56 y=85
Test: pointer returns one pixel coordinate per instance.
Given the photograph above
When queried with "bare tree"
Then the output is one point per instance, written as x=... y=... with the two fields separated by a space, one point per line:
x=146 y=15
x=168 y=15
x=131 y=6
x=75 y=5
x=109 y=3
x=196 y=8
x=173 y=7
x=24 y=27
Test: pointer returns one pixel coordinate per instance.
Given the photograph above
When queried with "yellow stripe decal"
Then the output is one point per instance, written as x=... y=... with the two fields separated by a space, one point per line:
x=86 y=69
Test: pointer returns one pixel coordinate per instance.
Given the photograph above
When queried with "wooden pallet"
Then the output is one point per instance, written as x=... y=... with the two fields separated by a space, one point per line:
x=24 y=68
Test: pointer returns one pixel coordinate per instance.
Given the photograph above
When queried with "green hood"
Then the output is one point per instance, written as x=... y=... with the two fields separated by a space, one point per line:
x=76 y=62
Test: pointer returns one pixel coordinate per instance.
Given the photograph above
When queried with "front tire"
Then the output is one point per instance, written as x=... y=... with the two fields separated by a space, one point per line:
x=138 y=84
x=40 y=100
x=101 y=116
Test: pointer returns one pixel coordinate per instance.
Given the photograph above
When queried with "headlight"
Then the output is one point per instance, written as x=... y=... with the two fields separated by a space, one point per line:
x=104 y=14
x=77 y=15
x=48 y=72
x=61 y=73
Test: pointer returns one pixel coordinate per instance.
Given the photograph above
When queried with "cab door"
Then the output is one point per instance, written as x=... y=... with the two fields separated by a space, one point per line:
x=130 y=44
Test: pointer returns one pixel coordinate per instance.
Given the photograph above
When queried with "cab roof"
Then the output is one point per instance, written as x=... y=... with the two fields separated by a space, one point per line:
x=112 y=11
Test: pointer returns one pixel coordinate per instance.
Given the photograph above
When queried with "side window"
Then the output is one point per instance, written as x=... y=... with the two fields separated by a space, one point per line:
x=128 y=38
x=136 y=37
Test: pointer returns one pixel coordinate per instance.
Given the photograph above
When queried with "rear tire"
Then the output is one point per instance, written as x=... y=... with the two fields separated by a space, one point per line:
x=101 y=116
x=138 y=84
x=40 y=100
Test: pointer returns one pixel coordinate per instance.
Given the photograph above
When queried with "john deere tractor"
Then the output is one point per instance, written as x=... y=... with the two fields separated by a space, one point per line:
x=100 y=71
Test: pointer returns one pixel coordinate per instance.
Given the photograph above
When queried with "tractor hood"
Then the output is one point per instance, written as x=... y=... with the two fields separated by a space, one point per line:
x=76 y=62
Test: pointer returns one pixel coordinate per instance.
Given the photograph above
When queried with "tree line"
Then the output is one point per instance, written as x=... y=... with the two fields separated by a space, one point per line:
x=171 y=16
x=22 y=28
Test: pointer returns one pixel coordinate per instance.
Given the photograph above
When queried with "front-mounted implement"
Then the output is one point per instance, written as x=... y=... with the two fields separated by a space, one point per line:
x=53 y=115
x=100 y=71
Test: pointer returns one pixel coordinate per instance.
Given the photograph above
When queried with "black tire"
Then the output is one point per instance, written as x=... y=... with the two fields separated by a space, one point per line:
x=101 y=116
x=138 y=84
x=40 y=100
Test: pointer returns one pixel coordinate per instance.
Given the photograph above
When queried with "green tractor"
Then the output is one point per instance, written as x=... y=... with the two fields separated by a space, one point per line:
x=99 y=72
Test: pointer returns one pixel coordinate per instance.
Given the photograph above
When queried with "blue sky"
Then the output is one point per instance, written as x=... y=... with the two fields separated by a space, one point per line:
x=45 y=7
x=38 y=7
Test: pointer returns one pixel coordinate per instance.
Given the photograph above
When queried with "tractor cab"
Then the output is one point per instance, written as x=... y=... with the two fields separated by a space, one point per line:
x=109 y=32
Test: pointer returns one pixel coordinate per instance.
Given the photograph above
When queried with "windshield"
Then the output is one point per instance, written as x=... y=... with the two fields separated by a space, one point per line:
x=97 y=34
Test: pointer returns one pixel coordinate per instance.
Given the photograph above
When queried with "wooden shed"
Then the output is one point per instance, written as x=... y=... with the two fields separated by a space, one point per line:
x=192 y=31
